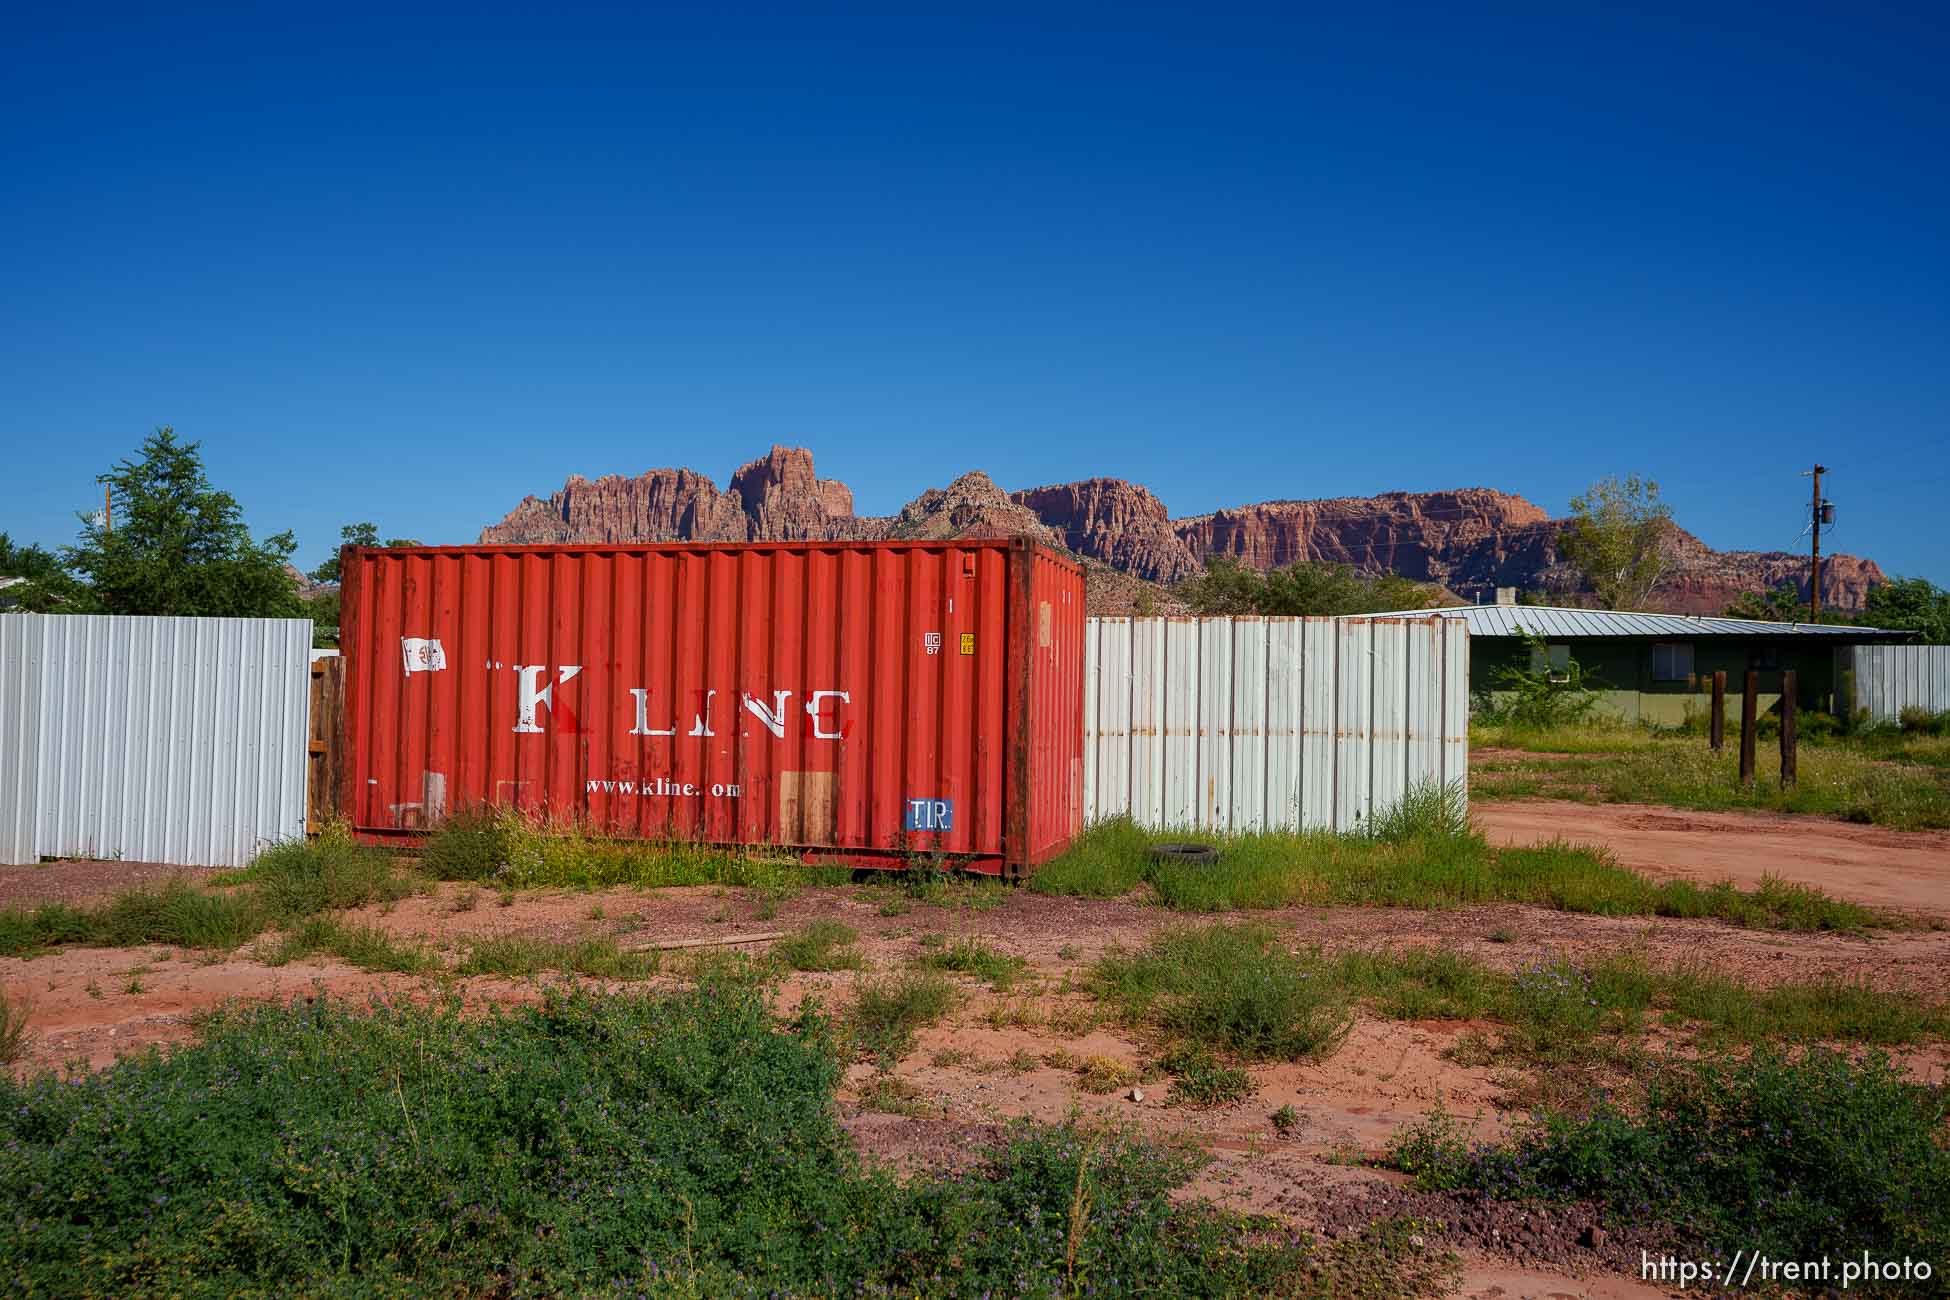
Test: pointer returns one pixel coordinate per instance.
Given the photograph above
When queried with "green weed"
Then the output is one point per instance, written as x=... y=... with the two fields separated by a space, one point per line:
x=889 y=1012
x=820 y=945
x=1232 y=988
x=1779 y=1153
x=969 y=956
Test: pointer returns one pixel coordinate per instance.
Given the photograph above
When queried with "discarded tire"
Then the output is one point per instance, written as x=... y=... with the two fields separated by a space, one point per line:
x=1184 y=853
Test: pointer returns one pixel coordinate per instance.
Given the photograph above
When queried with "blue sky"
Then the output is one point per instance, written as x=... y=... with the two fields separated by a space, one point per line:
x=409 y=266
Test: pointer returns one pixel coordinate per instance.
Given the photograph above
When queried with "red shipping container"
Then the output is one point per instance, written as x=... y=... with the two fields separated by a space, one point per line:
x=852 y=700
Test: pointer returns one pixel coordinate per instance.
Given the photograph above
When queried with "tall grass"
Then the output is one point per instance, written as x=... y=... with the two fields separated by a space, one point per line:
x=522 y=851
x=1897 y=781
x=597 y=956
x=176 y=913
x=330 y=873
x=889 y=1012
x=1550 y=1001
x=14 y=1036
x=820 y=946
x=1419 y=857
x=970 y=956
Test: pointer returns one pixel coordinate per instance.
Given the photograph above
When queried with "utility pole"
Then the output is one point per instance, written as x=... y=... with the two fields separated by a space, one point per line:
x=1814 y=565
x=108 y=511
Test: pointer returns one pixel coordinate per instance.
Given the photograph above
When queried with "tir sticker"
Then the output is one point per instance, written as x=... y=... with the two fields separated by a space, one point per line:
x=929 y=815
x=968 y=643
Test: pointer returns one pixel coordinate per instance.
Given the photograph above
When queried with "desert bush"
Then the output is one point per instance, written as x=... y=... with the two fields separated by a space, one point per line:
x=673 y=1145
x=1781 y=1153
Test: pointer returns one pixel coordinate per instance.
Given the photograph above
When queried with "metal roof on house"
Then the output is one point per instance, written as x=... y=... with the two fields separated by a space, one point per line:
x=1554 y=622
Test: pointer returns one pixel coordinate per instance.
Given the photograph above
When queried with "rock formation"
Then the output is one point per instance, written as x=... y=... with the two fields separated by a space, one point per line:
x=1468 y=541
x=1119 y=523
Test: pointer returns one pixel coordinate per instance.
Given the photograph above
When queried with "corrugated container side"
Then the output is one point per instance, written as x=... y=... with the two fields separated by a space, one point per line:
x=829 y=697
x=1055 y=716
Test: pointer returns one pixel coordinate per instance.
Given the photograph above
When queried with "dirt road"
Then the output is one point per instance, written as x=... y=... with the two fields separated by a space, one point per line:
x=1905 y=870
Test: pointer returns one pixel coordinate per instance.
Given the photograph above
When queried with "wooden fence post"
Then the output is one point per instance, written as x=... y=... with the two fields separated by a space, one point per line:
x=324 y=761
x=1718 y=732
x=1749 y=725
x=1788 y=764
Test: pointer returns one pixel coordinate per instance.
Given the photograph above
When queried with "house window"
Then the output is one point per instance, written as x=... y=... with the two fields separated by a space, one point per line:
x=1554 y=659
x=1672 y=661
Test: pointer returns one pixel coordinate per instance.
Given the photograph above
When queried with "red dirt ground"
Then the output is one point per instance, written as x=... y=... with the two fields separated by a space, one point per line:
x=1388 y=1074
x=1905 y=870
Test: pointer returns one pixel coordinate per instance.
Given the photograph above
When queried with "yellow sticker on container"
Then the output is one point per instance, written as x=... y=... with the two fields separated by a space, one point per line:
x=968 y=643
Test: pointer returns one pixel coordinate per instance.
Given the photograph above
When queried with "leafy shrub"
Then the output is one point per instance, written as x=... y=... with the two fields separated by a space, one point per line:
x=675 y=1145
x=1233 y=988
x=1916 y=720
x=1539 y=699
x=1778 y=1153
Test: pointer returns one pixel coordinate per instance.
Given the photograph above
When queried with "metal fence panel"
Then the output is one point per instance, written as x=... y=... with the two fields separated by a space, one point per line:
x=1891 y=678
x=178 y=740
x=20 y=722
x=1238 y=724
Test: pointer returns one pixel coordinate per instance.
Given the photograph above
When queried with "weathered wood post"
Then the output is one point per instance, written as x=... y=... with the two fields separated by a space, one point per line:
x=1749 y=725
x=1788 y=772
x=1718 y=731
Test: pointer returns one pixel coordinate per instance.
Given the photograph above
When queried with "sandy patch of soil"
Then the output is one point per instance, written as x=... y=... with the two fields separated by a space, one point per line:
x=1904 y=870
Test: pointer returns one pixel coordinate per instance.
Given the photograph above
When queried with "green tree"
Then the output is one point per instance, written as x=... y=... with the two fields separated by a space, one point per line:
x=180 y=546
x=1228 y=587
x=1914 y=603
x=1781 y=605
x=1619 y=538
x=360 y=534
x=45 y=586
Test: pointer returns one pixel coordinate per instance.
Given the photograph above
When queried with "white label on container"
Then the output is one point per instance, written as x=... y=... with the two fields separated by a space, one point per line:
x=422 y=654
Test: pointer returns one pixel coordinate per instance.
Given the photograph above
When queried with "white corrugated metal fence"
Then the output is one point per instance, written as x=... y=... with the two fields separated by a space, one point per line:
x=1270 y=723
x=179 y=740
x=1891 y=678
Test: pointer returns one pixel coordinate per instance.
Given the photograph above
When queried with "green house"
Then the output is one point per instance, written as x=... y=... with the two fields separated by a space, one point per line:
x=1656 y=668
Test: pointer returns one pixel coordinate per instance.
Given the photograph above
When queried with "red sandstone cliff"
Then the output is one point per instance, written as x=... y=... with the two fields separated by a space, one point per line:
x=1469 y=540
